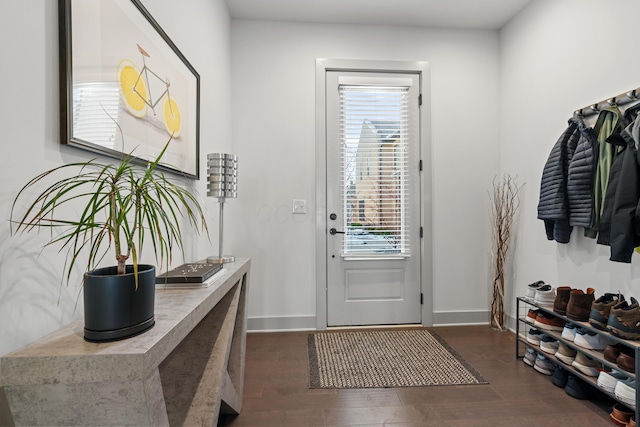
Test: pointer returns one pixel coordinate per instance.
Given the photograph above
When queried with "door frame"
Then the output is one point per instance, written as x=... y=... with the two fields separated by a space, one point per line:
x=423 y=69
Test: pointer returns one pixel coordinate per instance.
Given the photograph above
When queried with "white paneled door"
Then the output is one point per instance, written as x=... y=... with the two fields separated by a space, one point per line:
x=373 y=198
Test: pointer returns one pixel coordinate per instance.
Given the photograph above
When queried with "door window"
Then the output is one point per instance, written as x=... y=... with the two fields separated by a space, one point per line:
x=374 y=159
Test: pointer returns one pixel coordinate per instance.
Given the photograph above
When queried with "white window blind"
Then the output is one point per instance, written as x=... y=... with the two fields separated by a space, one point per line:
x=374 y=161
x=95 y=112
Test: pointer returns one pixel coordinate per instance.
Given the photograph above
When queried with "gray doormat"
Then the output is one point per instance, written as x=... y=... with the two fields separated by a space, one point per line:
x=385 y=358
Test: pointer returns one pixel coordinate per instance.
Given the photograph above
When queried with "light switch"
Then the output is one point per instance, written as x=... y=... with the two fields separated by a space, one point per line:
x=299 y=206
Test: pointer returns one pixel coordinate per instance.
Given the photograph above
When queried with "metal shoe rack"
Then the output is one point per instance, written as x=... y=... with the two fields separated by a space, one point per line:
x=524 y=304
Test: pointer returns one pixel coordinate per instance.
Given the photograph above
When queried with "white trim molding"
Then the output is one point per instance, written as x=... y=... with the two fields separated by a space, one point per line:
x=460 y=318
x=419 y=67
x=284 y=323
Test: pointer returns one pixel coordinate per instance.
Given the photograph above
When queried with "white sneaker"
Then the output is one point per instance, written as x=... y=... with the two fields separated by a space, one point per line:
x=548 y=344
x=543 y=365
x=545 y=296
x=586 y=365
x=569 y=331
x=625 y=390
x=590 y=340
x=533 y=336
x=532 y=288
x=608 y=380
x=565 y=354
x=530 y=357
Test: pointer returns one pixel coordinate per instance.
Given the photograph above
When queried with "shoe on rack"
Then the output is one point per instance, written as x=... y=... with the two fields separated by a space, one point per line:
x=590 y=340
x=579 y=306
x=544 y=365
x=624 y=320
x=548 y=344
x=533 y=336
x=562 y=299
x=545 y=296
x=531 y=316
x=569 y=331
x=560 y=377
x=612 y=351
x=626 y=361
x=578 y=388
x=565 y=354
x=549 y=322
x=601 y=308
x=586 y=365
x=530 y=357
x=620 y=415
x=532 y=288
x=608 y=380
x=626 y=391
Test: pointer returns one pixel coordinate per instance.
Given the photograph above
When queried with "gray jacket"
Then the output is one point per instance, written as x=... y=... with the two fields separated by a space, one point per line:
x=553 y=207
x=580 y=178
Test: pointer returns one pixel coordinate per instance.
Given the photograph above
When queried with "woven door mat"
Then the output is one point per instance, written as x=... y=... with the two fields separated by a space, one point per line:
x=385 y=358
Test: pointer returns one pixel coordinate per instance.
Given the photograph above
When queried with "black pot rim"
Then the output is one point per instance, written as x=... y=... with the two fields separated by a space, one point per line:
x=109 y=271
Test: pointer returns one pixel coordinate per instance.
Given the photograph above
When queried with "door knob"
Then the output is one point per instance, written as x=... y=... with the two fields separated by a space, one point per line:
x=333 y=231
x=333 y=216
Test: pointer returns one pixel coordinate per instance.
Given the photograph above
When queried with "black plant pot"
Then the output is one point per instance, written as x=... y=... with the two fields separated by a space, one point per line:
x=113 y=308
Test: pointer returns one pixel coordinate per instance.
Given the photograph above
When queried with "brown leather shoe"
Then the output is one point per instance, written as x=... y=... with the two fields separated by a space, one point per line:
x=621 y=415
x=579 y=306
x=562 y=299
x=549 y=322
x=531 y=316
x=627 y=362
x=612 y=351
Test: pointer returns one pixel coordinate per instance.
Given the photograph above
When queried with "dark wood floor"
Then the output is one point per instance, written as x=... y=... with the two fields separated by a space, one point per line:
x=277 y=394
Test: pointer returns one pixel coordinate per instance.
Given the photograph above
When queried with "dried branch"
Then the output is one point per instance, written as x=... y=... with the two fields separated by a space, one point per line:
x=504 y=205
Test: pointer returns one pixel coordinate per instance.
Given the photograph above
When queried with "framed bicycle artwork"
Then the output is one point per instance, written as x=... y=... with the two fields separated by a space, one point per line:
x=125 y=88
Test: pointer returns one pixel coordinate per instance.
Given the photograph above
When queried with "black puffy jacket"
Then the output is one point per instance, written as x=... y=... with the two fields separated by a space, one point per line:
x=580 y=178
x=553 y=207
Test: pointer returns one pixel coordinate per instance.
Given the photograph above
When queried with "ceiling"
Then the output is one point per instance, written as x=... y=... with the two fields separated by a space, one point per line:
x=471 y=14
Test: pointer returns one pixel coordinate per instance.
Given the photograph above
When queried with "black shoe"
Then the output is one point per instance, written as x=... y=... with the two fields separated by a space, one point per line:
x=560 y=377
x=577 y=388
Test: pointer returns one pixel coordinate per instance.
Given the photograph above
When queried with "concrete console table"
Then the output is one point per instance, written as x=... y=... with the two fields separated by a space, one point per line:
x=184 y=371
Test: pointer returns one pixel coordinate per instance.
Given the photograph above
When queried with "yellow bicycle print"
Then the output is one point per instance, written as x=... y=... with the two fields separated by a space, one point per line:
x=135 y=91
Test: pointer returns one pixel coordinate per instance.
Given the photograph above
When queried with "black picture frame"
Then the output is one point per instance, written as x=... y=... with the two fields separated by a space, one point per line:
x=125 y=88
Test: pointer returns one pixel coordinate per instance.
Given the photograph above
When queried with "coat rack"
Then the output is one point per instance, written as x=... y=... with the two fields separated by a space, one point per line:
x=618 y=100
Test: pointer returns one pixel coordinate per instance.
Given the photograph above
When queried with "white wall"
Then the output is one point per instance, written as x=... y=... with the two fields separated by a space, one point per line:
x=499 y=102
x=556 y=57
x=32 y=300
x=273 y=69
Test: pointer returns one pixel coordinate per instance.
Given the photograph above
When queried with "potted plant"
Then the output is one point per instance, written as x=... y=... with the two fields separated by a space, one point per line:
x=95 y=208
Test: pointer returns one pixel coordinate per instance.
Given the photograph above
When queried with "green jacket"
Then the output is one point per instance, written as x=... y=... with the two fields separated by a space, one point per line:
x=606 y=124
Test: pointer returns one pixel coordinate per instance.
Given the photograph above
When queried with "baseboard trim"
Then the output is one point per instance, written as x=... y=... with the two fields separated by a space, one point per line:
x=281 y=324
x=460 y=318
x=308 y=323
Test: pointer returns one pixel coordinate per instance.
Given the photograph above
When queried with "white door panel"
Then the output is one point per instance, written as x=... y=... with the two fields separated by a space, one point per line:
x=373 y=198
x=374 y=284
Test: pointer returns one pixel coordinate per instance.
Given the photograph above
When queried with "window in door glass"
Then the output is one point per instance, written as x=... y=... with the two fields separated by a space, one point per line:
x=374 y=160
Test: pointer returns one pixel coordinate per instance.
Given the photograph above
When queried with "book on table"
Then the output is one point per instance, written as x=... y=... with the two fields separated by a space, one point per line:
x=192 y=273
